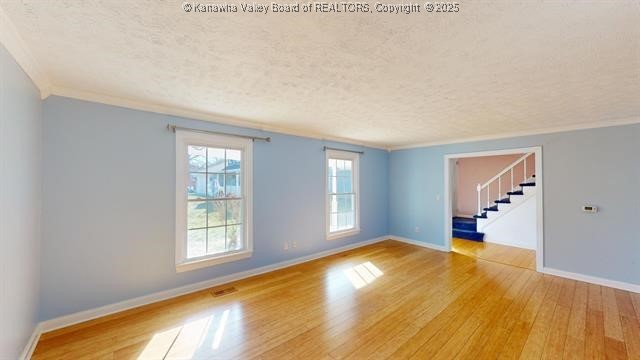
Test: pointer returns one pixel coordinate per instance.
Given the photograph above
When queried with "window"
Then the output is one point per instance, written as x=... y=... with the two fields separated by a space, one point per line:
x=213 y=199
x=343 y=218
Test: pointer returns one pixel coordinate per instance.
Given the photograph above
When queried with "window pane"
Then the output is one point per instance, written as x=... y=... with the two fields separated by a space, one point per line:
x=349 y=220
x=341 y=203
x=333 y=203
x=345 y=203
x=216 y=211
x=234 y=211
x=234 y=237
x=196 y=189
x=344 y=184
x=340 y=221
x=332 y=185
x=333 y=222
x=346 y=221
x=197 y=158
x=346 y=170
x=332 y=167
x=215 y=160
x=215 y=186
x=196 y=242
x=233 y=161
x=233 y=188
x=216 y=240
x=196 y=214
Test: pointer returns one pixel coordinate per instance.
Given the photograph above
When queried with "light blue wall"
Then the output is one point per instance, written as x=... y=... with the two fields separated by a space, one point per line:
x=20 y=206
x=598 y=166
x=109 y=201
x=109 y=194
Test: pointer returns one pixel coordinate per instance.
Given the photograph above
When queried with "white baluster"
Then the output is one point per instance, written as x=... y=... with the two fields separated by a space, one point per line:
x=499 y=188
x=525 y=170
x=479 y=188
x=512 y=179
x=488 y=188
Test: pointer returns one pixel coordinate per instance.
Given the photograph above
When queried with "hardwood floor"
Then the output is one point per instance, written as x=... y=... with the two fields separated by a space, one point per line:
x=507 y=255
x=387 y=300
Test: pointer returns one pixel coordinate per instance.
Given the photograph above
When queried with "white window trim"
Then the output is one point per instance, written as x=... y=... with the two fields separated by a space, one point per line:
x=344 y=155
x=183 y=139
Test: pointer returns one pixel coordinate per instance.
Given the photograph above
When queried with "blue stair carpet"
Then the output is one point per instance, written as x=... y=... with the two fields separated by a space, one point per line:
x=466 y=228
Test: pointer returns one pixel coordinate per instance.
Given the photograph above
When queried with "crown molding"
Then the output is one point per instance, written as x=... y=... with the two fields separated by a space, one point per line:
x=16 y=46
x=198 y=115
x=227 y=120
x=542 y=131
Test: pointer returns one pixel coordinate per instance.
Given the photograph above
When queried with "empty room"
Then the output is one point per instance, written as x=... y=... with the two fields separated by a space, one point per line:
x=319 y=180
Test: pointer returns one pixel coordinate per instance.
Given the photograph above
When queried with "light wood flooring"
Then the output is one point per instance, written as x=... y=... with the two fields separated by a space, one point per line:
x=507 y=255
x=387 y=300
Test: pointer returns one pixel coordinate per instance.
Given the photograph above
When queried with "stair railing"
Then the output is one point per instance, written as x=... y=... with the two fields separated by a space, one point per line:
x=498 y=177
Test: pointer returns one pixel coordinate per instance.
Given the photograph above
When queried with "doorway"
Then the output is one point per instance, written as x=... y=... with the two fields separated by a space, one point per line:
x=494 y=206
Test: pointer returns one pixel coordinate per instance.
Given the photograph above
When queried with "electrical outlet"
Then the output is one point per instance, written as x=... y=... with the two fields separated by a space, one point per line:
x=417 y=229
x=294 y=244
x=438 y=197
x=286 y=246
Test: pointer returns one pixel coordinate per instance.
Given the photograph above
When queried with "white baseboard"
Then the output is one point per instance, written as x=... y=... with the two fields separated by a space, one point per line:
x=419 y=243
x=593 y=279
x=31 y=344
x=82 y=316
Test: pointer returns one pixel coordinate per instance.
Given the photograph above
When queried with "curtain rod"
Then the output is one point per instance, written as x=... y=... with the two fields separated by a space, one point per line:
x=254 y=138
x=325 y=148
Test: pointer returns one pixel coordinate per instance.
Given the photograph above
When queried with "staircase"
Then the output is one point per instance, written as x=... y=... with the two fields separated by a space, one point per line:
x=501 y=203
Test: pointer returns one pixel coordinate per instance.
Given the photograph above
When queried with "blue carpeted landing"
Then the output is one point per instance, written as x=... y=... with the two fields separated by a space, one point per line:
x=466 y=228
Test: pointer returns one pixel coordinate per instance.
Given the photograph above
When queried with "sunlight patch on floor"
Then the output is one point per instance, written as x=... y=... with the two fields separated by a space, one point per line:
x=363 y=274
x=160 y=344
x=201 y=336
x=218 y=337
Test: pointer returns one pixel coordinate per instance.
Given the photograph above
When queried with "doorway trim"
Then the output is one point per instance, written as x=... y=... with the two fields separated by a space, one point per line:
x=448 y=198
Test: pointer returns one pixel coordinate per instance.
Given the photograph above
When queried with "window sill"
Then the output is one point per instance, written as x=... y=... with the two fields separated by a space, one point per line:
x=342 y=234
x=202 y=263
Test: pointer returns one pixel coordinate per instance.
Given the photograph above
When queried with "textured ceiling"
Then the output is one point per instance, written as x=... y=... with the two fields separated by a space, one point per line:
x=386 y=79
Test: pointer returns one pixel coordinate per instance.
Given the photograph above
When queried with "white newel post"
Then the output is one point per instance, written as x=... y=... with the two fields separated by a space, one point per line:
x=479 y=188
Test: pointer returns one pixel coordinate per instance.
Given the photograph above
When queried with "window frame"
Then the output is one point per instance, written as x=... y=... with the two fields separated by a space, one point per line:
x=342 y=155
x=184 y=139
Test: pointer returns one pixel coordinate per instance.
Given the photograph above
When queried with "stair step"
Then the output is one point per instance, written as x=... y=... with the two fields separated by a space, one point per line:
x=493 y=208
x=528 y=184
x=482 y=216
x=469 y=235
x=462 y=223
x=519 y=192
x=503 y=201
